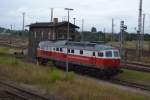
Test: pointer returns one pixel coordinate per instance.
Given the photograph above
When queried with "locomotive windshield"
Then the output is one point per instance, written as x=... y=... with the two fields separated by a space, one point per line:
x=100 y=54
x=116 y=54
x=108 y=53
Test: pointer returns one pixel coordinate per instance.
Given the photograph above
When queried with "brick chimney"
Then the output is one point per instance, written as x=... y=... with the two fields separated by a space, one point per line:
x=55 y=20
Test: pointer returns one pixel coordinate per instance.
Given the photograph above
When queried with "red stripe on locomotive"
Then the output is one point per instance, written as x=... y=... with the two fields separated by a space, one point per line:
x=98 y=62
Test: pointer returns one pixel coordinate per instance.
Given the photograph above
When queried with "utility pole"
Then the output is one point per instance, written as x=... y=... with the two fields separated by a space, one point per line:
x=11 y=27
x=52 y=14
x=68 y=9
x=23 y=14
x=14 y=27
x=149 y=46
x=104 y=32
x=74 y=19
x=139 y=31
x=122 y=40
x=142 y=40
x=82 y=33
x=112 y=35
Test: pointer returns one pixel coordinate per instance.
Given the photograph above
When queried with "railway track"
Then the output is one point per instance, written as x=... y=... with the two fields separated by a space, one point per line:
x=130 y=84
x=123 y=83
x=137 y=67
x=6 y=95
x=96 y=76
x=13 y=92
x=119 y=82
x=140 y=64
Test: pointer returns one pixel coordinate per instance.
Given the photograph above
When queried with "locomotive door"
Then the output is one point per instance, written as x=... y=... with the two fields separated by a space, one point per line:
x=94 y=58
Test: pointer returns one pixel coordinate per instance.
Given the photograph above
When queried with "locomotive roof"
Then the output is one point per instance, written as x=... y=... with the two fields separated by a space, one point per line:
x=76 y=45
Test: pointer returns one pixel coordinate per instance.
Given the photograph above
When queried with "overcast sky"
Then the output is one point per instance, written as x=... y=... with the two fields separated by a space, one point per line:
x=98 y=13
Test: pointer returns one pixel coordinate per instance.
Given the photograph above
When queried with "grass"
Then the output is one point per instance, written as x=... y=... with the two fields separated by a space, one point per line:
x=19 y=71
x=135 y=76
x=4 y=51
x=89 y=90
x=131 y=44
x=54 y=82
x=68 y=90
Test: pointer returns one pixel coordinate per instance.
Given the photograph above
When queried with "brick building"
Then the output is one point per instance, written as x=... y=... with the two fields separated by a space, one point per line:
x=49 y=31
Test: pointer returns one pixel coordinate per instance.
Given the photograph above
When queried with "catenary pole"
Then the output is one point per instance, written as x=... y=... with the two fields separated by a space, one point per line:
x=67 y=63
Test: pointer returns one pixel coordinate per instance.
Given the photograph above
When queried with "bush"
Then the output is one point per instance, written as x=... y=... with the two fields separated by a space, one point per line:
x=56 y=75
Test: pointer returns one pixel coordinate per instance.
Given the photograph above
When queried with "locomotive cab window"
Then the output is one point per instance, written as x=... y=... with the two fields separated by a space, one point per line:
x=101 y=54
x=116 y=54
x=54 y=49
x=81 y=52
x=108 y=53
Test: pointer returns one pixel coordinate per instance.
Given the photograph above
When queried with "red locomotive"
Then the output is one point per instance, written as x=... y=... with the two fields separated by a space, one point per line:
x=91 y=55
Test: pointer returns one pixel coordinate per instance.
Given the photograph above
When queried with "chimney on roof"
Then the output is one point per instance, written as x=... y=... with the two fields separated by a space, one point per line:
x=55 y=20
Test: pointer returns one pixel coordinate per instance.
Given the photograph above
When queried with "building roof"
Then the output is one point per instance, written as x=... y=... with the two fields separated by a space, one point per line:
x=51 y=24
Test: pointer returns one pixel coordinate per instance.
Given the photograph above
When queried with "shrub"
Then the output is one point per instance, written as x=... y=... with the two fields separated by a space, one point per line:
x=56 y=75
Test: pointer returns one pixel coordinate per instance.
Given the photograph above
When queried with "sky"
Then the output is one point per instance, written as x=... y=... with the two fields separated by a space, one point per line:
x=97 y=13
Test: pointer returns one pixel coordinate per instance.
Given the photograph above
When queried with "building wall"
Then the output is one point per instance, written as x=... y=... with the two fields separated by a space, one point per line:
x=37 y=35
x=42 y=34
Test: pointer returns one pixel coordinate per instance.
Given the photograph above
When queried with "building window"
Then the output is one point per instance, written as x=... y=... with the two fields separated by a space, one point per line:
x=35 y=35
x=81 y=52
x=72 y=51
x=101 y=54
x=42 y=35
x=49 y=36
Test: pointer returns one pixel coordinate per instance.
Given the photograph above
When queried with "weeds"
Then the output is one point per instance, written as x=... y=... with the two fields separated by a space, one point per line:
x=70 y=76
x=135 y=76
x=54 y=81
x=4 y=51
x=56 y=75
x=31 y=73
